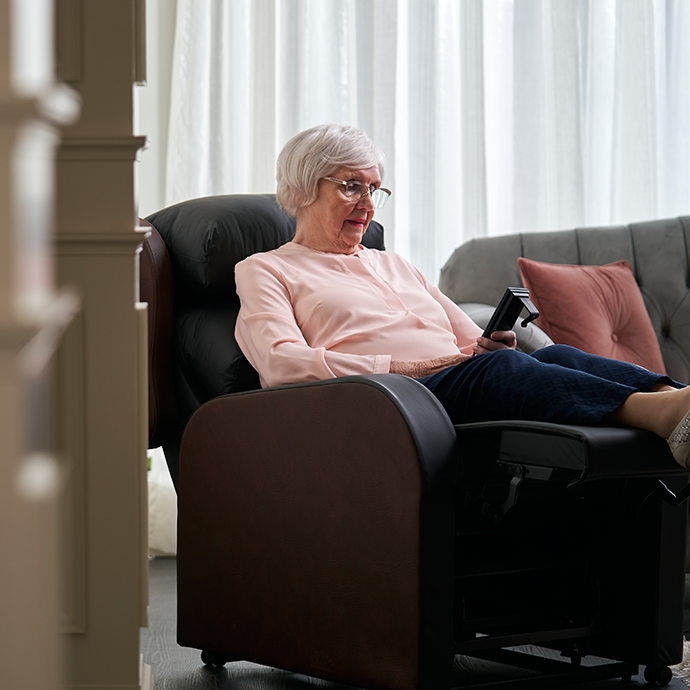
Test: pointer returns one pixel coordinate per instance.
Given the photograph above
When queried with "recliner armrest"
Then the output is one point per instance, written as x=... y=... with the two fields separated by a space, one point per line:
x=320 y=512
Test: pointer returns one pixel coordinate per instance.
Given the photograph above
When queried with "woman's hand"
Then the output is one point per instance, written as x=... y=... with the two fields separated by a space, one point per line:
x=426 y=367
x=499 y=340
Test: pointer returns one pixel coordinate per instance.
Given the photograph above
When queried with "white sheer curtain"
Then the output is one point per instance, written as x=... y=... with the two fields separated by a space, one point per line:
x=496 y=116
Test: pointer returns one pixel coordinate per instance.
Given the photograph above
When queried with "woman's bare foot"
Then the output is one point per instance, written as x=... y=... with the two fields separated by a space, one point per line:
x=679 y=439
x=672 y=409
x=666 y=412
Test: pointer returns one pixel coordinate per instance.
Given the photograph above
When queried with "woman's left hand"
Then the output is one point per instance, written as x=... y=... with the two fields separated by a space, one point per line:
x=499 y=340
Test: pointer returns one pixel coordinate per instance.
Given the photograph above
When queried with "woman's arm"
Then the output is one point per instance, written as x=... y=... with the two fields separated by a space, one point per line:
x=417 y=370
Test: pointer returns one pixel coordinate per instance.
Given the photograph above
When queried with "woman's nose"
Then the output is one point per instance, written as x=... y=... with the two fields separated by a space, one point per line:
x=366 y=201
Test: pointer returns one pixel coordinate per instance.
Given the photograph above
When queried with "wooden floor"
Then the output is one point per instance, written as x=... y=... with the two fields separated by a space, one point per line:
x=179 y=668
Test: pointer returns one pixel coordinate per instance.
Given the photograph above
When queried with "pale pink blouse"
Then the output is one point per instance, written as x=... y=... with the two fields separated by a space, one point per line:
x=308 y=315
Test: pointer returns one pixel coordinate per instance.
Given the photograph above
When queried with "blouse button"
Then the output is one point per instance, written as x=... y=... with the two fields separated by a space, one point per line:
x=614 y=337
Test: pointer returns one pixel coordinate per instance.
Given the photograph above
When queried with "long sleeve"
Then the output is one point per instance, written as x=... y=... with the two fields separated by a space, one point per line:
x=272 y=341
x=309 y=315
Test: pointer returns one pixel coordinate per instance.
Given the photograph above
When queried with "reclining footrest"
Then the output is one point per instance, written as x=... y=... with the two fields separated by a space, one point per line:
x=583 y=453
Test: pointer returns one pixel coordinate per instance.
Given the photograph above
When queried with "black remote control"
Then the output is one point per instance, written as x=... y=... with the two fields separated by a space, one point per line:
x=514 y=300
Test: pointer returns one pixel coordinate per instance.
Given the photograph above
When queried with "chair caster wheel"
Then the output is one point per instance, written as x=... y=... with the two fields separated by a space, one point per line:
x=213 y=659
x=661 y=675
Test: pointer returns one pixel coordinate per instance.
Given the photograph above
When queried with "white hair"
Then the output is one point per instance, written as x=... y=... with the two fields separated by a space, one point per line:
x=320 y=152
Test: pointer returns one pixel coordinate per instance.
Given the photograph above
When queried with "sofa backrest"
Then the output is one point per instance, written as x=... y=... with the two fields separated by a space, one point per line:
x=481 y=269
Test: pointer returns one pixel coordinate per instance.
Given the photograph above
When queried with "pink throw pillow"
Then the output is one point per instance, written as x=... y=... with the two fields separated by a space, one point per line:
x=598 y=309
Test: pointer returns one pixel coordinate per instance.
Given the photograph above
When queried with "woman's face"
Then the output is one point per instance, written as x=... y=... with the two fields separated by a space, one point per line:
x=334 y=223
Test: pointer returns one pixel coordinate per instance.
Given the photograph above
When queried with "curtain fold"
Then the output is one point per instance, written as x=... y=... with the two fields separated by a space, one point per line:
x=496 y=116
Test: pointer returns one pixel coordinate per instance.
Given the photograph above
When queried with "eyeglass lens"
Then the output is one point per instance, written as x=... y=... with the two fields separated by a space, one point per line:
x=356 y=190
x=379 y=198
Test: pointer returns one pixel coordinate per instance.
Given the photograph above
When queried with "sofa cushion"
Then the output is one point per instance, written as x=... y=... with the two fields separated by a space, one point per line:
x=598 y=309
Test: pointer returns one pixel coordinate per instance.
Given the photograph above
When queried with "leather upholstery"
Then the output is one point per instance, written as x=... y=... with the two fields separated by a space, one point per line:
x=330 y=531
x=580 y=453
x=658 y=251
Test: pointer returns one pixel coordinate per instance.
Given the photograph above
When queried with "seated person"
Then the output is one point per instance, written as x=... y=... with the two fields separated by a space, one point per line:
x=323 y=306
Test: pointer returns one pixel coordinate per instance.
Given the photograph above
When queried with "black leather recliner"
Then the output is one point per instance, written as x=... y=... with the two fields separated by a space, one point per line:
x=345 y=529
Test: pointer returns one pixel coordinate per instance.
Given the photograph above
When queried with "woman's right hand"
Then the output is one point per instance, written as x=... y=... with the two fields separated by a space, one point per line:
x=426 y=367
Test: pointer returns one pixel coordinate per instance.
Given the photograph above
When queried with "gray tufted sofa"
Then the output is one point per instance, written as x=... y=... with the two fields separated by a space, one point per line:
x=478 y=272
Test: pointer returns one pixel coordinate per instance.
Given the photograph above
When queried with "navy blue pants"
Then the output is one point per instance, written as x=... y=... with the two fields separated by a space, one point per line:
x=559 y=384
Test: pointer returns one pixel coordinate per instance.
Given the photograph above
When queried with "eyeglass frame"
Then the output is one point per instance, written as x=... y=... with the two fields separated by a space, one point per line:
x=367 y=190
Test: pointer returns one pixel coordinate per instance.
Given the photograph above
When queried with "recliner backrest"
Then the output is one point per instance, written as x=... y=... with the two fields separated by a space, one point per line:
x=205 y=238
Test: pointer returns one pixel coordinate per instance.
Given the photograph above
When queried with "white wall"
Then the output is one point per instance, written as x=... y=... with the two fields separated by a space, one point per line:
x=152 y=105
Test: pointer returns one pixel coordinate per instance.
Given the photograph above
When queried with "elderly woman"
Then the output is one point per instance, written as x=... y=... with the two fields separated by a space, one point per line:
x=323 y=306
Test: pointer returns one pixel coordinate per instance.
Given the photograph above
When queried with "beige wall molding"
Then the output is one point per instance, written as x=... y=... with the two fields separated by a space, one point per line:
x=140 y=42
x=98 y=244
x=100 y=148
x=100 y=52
x=68 y=40
x=96 y=184
x=70 y=403
x=69 y=19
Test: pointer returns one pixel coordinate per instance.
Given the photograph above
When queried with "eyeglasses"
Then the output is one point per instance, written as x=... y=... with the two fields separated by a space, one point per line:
x=356 y=191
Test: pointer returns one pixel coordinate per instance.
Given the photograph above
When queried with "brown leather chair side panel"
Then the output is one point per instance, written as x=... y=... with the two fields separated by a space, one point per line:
x=156 y=288
x=299 y=542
